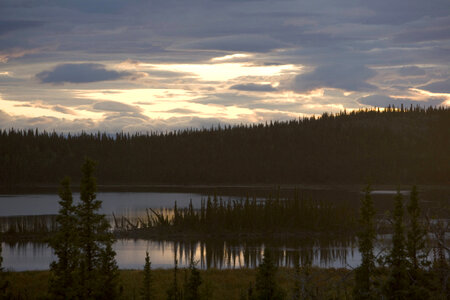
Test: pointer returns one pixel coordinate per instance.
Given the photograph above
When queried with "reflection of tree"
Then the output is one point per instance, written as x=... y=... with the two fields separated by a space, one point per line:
x=219 y=254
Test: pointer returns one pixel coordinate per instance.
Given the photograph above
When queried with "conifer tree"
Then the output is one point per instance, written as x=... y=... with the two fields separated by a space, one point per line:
x=4 y=283
x=415 y=245
x=396 y=286
x=416 y=233
x=95 y=242
x=1 y=256
x=173 y=292
x=191 y=290
x=108 y=274
x=147 y=289
x=266 y=287
x=366 y=237
x=63 y=281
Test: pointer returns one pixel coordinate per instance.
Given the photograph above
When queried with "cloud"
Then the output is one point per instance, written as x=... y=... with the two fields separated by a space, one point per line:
x=423 y=35
x=437 y=87
x=15 y=52
x=339 y=76
x=57 y=108
x=168 y=74
x=385 y=101
x=113 y=106
x=64 y=110
x=7 y=26
x=252 y=87
x=411 y=71
x=80 y=73
x=183 y=111
x=241 y=42
x=13 y=25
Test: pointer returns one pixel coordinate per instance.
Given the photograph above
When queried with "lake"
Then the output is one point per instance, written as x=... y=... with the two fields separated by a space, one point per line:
x=330 y=252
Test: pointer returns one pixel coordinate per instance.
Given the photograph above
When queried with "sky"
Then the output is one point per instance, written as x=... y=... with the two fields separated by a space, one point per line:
x=158 y=65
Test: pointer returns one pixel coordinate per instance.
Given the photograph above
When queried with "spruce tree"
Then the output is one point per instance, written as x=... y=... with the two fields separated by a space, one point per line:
x=416 y=233
x=147 y=288
x=363 y=287
x=396 y=286
x=415 y=244
x=108 y=274
x=97 y=264
x=1 y=256
x=4 y=283
x=191 y=290
x=173 y=292
x=266 y=287
x=63 y=281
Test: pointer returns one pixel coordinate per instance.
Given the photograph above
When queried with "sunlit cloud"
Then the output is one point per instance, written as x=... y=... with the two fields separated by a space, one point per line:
x=230 y=57
x=225 y=71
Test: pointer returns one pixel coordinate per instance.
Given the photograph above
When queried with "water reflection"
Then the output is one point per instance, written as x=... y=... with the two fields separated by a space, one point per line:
x=209 y=254
x=131 y=203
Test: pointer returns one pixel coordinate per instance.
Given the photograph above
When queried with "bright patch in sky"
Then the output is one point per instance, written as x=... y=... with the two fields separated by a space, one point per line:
x=224 y=71
x=230 y=57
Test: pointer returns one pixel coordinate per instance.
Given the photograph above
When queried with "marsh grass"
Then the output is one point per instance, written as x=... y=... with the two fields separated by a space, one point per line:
x=218 y=217
x=219 y=284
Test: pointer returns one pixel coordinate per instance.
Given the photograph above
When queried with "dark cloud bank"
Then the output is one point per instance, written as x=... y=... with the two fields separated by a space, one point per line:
x=79 y=73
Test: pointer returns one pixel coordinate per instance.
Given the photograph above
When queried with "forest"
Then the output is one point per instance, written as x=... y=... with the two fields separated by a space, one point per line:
x=389 y=146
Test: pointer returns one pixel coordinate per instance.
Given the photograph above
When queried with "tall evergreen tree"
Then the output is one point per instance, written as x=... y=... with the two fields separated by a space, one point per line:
x=417 y=256
x=416 y=233
x=63 y=281
x=366 y=237
x=266 y=287
x=191 y=290
x=1 y=256
x=95 y=241
x=396 y=286
x=108 y=274
x=147 y=288
x=4 y=283
x=173 y=292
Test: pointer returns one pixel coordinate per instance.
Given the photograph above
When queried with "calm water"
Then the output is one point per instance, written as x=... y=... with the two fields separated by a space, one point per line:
x=218 y=254
x=118 y=203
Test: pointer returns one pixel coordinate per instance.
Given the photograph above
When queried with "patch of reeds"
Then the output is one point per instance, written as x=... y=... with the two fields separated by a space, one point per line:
x=34 y=224
x=247 y=216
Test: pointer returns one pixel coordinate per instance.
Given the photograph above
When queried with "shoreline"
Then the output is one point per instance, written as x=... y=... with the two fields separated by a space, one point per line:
x=356 y=187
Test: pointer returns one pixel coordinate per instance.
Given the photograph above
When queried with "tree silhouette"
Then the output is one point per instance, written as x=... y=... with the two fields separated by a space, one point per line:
x=366 y=237
x=147 y=288
x=64 y=280
x=266 y=287
x=396 y=286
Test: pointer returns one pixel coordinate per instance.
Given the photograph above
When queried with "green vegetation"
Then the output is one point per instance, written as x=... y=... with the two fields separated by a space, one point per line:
x=366 y=238
x=193 y=283
x=279 y=217
x=86 y=266
x=63 y=283
x=396 y=284
x=383 y=147
x=266 y=287
x=174 y=291
x=4 y=283
x=216 y=284
x=147 y=286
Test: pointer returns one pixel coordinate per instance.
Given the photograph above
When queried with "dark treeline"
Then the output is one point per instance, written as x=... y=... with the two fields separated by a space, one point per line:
x=396 y=146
